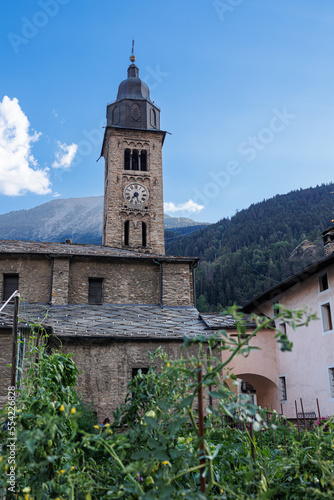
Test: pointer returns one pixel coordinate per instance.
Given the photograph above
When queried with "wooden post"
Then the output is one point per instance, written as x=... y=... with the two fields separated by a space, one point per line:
x=297 y=419
x=318 y=409
x=301 y=404
x=15 y=334
x=252 y=441
x=284 y=426
x=201 y=426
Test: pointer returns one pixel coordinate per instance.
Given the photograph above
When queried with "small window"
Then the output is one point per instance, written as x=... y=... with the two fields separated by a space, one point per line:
x=282 y=389
x=127 y=157
x=144 y=233
x=95 y=290
x=135 y=160
x=136 y=370
x=126 y=232
x=326 y=316
x=331 y=381
x=10 y=285
x=323 y=282
x=143 y=160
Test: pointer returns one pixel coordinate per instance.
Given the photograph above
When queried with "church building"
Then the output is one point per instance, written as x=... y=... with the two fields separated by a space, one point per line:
x=113 y=303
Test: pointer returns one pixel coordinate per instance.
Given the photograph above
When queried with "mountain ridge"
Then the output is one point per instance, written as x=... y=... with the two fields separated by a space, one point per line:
x=79 y=219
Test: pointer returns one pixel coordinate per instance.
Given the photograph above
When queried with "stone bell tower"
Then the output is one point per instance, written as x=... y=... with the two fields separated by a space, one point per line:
x=133 y=215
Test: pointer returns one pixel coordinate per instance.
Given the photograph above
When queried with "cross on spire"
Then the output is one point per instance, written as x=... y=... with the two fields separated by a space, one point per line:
x=132 y=57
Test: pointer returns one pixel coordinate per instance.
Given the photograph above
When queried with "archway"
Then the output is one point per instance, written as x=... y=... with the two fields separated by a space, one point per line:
x=265 y=390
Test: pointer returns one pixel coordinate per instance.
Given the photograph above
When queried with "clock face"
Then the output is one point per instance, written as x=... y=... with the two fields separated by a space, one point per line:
x=136 y=194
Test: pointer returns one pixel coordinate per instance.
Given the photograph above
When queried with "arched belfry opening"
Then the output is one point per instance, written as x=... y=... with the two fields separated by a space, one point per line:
x=126 y=232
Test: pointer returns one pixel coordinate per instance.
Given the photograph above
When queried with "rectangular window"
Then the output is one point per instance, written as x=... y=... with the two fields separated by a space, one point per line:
x=10 y=285
x=323 y=282
x=136 y=370
x=95 y=291
x=331 y=381
x=282 y=389
x=326 y=316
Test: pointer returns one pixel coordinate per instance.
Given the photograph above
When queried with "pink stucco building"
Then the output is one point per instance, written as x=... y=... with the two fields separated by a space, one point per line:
x=281 y=378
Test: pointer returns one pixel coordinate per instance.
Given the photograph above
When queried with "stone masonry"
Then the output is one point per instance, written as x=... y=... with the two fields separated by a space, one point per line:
x=116 y=209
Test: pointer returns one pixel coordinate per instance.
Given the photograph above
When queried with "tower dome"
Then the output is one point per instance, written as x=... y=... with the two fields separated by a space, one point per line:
x=133 y=87
x=133 y=107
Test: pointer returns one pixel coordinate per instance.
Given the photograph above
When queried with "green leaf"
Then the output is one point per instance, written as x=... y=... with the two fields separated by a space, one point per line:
x=186 y=402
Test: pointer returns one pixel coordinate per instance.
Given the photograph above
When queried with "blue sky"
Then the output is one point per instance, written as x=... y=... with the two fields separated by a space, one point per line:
x=245 y=87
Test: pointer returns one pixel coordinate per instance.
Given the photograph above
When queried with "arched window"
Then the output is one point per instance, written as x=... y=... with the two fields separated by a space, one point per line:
x=127 y=156
x=126 y=232
x=135 y=160
x=153 y=118
x=143 y=233
x=143 y=160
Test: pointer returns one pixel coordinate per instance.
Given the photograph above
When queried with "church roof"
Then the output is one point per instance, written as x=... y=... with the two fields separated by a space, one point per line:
x=133 y=87
x=76 y=249
x=119 y=321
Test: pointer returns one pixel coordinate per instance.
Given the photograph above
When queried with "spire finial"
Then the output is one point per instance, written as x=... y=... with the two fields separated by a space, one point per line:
x=132 y=57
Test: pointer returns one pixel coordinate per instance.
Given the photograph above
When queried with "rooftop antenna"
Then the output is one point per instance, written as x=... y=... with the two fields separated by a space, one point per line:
x=133 y=57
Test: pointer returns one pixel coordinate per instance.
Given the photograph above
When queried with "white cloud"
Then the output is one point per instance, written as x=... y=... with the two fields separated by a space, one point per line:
x=64 y=155
x=188 y=206
x=56 y=195
x=19 y=172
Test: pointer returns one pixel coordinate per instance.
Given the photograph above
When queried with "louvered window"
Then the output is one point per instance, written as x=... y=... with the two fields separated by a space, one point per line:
x=10 y=285
x=95 y=291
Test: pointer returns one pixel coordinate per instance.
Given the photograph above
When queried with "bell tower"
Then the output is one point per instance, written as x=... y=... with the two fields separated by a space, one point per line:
x=133 y=215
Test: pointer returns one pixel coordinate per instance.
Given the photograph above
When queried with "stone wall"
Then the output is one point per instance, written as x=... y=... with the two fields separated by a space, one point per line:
x=116 y=209
x=34 y=276
x=177 y=289
x=107 y=367
x=124 y=281
x=60 y=281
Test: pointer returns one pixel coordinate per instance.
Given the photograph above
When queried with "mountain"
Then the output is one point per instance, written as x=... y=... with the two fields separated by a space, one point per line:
x=77 y=218
x=258 y=247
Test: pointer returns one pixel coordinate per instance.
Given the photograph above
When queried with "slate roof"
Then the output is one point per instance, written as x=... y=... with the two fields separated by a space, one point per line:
x=111 y=320
x=76 y=249
x=223 y=322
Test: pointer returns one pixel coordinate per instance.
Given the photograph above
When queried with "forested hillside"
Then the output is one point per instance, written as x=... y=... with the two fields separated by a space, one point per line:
x=258 y=247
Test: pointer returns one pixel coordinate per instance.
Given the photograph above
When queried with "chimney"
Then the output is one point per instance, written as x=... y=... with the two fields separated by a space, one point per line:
x=328 y=239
